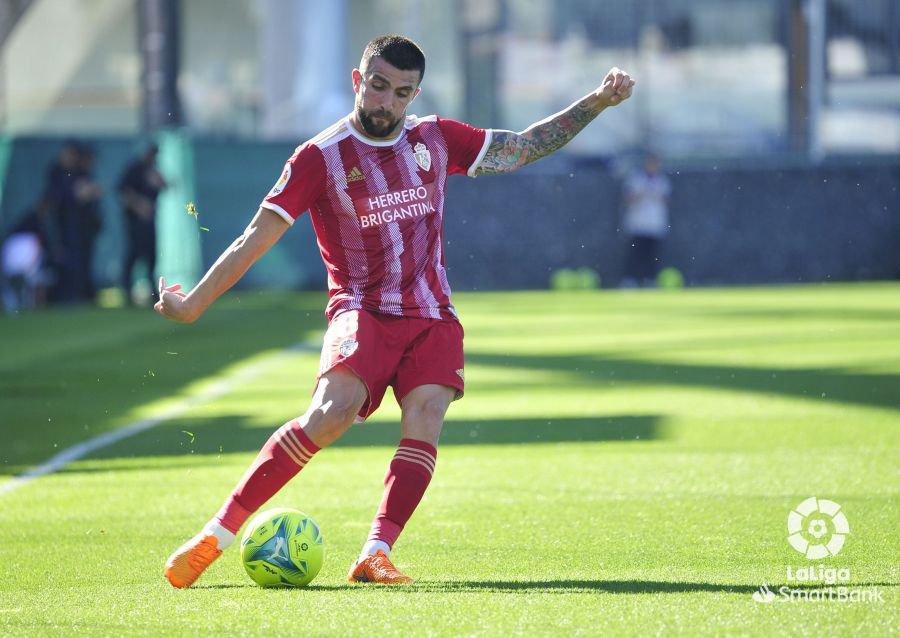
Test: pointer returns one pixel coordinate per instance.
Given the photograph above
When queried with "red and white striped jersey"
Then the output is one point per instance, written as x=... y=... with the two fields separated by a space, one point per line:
x=377 y=209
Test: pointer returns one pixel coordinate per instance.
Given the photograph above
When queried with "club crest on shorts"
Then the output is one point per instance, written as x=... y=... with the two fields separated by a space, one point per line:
x=348 y=347
x=423 y=156
x=462 y=374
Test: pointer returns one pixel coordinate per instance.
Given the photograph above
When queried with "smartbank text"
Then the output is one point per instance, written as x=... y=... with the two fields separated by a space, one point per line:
x=394 y=206
x=829 y=576
x=833 y=594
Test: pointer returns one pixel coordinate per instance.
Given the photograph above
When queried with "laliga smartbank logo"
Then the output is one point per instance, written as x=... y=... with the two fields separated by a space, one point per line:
x=817 y=528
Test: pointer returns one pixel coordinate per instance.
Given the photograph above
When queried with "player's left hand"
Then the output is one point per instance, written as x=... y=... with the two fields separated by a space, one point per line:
x=616 y=88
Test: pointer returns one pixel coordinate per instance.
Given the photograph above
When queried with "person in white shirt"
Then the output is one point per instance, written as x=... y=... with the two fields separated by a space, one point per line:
x=646 y=221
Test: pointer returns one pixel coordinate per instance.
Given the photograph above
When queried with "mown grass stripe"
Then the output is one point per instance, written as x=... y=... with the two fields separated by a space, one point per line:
x=217 y=389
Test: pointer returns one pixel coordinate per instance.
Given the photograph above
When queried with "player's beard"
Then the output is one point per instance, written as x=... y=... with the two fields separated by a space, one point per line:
x=371 y=128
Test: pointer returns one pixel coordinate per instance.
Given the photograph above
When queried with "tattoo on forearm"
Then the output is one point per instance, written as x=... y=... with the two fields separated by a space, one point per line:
x=509 y=151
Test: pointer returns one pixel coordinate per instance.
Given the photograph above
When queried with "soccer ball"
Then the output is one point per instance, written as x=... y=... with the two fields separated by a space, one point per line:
x=282 y=547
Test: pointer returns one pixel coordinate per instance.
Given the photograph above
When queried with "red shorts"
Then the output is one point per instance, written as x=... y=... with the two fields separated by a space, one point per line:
x=401 y=352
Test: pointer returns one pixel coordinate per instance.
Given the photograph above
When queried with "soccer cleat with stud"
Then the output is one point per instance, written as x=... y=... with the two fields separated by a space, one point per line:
x=377 y=568
x=191 y=559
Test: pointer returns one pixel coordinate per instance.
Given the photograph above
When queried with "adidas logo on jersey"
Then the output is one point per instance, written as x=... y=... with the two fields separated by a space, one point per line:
x=355 y=175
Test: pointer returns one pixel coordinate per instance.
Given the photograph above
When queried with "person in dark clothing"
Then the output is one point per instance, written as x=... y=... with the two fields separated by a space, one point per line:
x=85 y=223
x=140 y=185
x=59 y=195
x=73 y=219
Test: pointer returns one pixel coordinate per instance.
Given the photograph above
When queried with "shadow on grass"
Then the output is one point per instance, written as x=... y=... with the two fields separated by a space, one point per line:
x=600 y=586
x=622 y=427
x=231 y=434
x=635 y=587
x=818 y=384
x=584 y=585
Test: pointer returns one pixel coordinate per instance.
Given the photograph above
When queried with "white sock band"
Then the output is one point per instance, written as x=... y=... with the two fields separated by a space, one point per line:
x=372 y=547
x=214 y=528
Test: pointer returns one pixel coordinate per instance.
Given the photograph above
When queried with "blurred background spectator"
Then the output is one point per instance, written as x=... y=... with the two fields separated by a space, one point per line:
x=645 y=221
x=59 y=195
x=72 y=196
x=86 y=223
x=25 y=273
x=140 y=185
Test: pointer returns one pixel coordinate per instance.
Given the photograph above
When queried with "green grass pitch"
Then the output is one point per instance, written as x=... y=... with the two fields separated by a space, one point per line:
x=623 y=464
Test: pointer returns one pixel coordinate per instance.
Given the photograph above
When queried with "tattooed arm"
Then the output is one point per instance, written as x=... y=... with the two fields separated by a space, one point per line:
x=509 y=151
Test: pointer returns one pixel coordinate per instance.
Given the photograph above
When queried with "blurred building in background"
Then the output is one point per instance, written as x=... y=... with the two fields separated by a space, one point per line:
x=717 y=76
x=724 y=85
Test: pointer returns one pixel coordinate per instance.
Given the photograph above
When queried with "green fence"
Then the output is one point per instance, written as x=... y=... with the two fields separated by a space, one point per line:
x=226 y=180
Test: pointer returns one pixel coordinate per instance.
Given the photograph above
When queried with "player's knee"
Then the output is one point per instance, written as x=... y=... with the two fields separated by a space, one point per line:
x=427 y=413
x=337 y=413
x=325 y=425
x=338 y=399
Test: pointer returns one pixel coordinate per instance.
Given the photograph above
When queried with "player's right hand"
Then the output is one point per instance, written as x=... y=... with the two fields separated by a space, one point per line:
x=173 y=303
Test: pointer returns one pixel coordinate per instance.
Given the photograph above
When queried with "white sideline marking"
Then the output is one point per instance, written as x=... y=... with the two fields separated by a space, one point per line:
x=214 y=391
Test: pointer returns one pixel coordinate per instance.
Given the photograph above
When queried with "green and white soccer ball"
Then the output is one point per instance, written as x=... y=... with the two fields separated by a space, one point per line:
x=282 y=548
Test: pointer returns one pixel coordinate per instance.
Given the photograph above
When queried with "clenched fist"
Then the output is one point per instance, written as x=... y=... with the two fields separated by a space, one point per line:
x=616 y=88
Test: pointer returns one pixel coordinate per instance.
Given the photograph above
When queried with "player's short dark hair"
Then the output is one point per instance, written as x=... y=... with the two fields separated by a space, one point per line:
x=396 y=50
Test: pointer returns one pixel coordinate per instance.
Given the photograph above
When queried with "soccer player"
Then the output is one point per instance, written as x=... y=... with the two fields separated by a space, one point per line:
x=374 y=185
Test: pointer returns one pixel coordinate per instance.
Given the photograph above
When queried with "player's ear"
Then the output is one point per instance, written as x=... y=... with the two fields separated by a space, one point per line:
x=357 y=80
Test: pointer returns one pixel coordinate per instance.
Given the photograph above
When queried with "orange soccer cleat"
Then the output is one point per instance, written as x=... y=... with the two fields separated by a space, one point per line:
x=377 y=568
x=191 y=559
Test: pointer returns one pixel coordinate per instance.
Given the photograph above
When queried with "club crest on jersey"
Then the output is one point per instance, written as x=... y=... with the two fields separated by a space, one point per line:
x=423 y=156
x=282 y=181
x=348 y=347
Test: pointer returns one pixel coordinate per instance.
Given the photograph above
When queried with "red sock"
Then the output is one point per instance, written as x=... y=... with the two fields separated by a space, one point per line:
x=407 y=479
x=279 y=460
